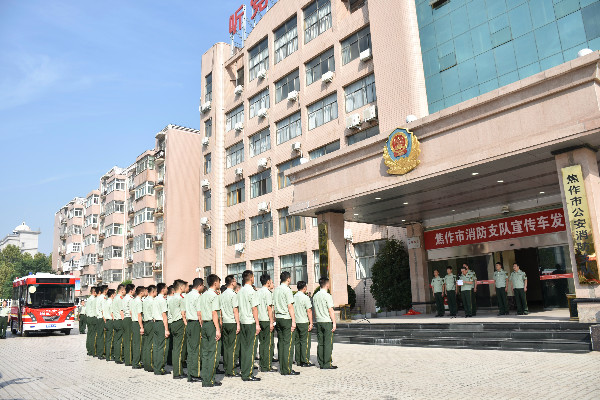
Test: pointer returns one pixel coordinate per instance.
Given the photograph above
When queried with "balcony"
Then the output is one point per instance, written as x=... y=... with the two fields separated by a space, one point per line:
x=129 y=260
x=158 y=238
x=63 y=236
x=131 y=188
x=129 y=236
x=159 y=211
x=157 y=266
x=103 y=194
x=100 y=258
x=159 y=156
x=130 y=211
x=159 y=185
x=101 y=236
x=102 y=215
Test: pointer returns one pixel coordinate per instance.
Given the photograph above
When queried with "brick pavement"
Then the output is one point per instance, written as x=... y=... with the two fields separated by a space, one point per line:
x=56 y=367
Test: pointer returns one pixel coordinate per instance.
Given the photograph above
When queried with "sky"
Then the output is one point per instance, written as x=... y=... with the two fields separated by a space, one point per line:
x=85 y=85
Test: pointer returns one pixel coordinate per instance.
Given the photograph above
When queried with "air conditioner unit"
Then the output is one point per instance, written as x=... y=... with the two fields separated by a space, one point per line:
x=239 y=247
x=239 y=126
x=327 y=76
x=158 y=238
x=296 y=146
x=206 y=106
x=263 y=162
x=204 y=221
x=366 y=55
x=204 y=141
x=348 y=234
x=238 y=89
x=370 y=113
x=293 y=95
x=205 y=184
x=353 y=121
x=239 y=171
x=262 y=112
x=262 y=74
x=264 y=206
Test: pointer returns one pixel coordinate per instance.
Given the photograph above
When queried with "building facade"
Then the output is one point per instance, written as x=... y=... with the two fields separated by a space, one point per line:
x=22 y=237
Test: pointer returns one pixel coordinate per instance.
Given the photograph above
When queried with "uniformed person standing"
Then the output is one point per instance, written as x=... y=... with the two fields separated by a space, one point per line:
x=82 y=318
x=161 y=330
x=148 y=338
x=231 y=325
x=326 y=326
x=4 y=319
x=518 y=282
x=450 y=291
x=304 y=325
x=90 y=321
x=437 y=286
x=127 y=324
x=101 y=322
x=118 y=316
x=211 y=331
x=501 y=281
x=177 y=326
x=465 y=291
x=283 y=301
x=472 y=277
x=137 y=328
x=266 y=319
x=250 y=325
x=194 y=331
x=169 y=299
x=108 y=324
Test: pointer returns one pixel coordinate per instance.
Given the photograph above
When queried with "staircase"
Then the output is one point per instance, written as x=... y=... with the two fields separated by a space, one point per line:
x=568 y=337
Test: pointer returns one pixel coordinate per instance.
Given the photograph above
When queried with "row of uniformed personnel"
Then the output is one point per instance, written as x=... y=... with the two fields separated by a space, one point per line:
x=190 y=326
x=447 y=286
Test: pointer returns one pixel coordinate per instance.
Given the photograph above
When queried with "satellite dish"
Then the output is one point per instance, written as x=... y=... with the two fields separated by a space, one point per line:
x=32 y=289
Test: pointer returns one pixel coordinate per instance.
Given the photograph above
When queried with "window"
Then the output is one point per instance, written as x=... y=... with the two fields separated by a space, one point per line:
x=92 y=200
x=282 y=180
x=261 y=267
x=259 y=102
x=356 y=4
x=207 y=238
x=78 y=212
x=317 y=264
x=111 y=252
x=161 y=144
x=317 y=19
x=260 y=184
x=236 y=232
x=120 y=184
x=113 y=230
x=315 y=222
x=160 y=198
x=90 y=219
x=75 y=247
x=360 y=93
x=142 y=270
x=355 y=44
x=289 y=128
x=239 y=81
x=144 y=164
x=295 y=264
x=143 y=215
x=76 y=229
x=287 y=84
x=289 y=223
x=260 y=142
x=161 y=173
x=236 y=193
x=89 y=240
x=261 y=226
x=365 y=254
x=321 y=151
x=115 y=206
x=362 y=135
x=208 y=88
x=286 y=39
x=207 y=200
x=237 y=270
x=322 y=111
x=160 y=225
x=233 y=117
x=235 y=154
x=142 y=242
x=207 y=272
x=207 y=163
x=319 y=65
x=258 y=58
x=144 y=189
x=208 y=128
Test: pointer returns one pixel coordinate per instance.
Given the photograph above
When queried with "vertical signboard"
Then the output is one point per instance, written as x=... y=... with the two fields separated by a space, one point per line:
x=580 y=223
x=323 y=250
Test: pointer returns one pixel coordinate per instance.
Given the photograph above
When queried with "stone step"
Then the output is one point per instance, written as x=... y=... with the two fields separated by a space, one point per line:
x=474 y=326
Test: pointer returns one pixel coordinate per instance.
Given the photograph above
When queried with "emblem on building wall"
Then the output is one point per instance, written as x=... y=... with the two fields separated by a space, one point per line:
x=401 y=152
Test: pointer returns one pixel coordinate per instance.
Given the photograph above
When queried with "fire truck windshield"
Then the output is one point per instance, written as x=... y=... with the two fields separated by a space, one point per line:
x=50 y=296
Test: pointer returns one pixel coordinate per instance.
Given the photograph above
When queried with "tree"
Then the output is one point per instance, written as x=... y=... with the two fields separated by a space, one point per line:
x=391 y=277
x=14 y=264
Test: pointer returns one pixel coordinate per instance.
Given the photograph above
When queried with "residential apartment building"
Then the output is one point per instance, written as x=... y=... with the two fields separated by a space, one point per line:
x=68 y=236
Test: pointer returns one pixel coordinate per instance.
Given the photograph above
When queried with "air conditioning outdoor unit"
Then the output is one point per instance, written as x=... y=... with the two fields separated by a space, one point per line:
x=204 y=221
x=262 y=74
x=264 y=206
x=206 y=106
x=262 y=113
x=353 y=121
x=327 y=76
x=293 y=95
x=204 y=141
x=239 y=171
x=239 y=126
x=239 y=247
x=205 y=184
x=348 y=234
x=366 y=55
x=370 y=113
x=296 y=146
x=263 y=162
x=238 y=89
x=158 y=237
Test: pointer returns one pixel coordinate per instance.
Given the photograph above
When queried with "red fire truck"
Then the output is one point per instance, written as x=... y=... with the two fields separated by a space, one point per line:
x=43 y=303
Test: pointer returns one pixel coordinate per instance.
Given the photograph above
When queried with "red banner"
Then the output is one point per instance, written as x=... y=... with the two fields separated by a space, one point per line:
x=555 y=276
x=538 y=223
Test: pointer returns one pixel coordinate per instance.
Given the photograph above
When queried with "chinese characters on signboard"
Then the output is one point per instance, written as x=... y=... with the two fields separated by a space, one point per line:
x=538 y=223
x=580 y=223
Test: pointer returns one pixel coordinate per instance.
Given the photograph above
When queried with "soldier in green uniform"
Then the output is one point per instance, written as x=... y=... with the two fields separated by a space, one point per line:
x=127 y=324
x=169 y=299
x=161 y=330
x=177 y=326
x=326 y=326
x=450 y=291
x=4 y=319
x=266 y=319
x=518 y=282
x=90 y=320
x=250 y=325
x=211 y=331
x=501 y=281
x=283 y=302
x=193 y=333
x=304 y=325
x=148 y=334
x=465 y=291
x=82 y=318
x=472 y=277
x=137 y=327
x=108 y=324
x=101 y=324
x=437 y=286
x=118 y=315
x=231 y=325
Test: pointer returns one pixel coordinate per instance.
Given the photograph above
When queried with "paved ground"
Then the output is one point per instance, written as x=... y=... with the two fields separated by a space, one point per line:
x=56 y=367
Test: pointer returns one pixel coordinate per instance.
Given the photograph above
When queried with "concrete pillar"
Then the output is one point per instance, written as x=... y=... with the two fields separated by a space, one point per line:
x=419 y=275
x=586 y=158
x=338 y=278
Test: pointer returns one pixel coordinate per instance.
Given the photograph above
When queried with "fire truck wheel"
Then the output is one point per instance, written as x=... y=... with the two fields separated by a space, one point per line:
x=67 y=331
x=12 y=328
x=23 y=332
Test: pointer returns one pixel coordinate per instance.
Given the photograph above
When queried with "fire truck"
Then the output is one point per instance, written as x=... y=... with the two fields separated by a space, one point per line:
x=43 y=303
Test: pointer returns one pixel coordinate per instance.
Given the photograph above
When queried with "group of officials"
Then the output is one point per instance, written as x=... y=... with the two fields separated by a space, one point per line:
x=193 y=326
x=467 y=283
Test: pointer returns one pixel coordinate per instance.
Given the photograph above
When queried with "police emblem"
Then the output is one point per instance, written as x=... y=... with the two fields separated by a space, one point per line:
x=401 y=152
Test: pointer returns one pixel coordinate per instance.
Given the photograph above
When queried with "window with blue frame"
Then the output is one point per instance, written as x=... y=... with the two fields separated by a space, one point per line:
x=471 y=47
